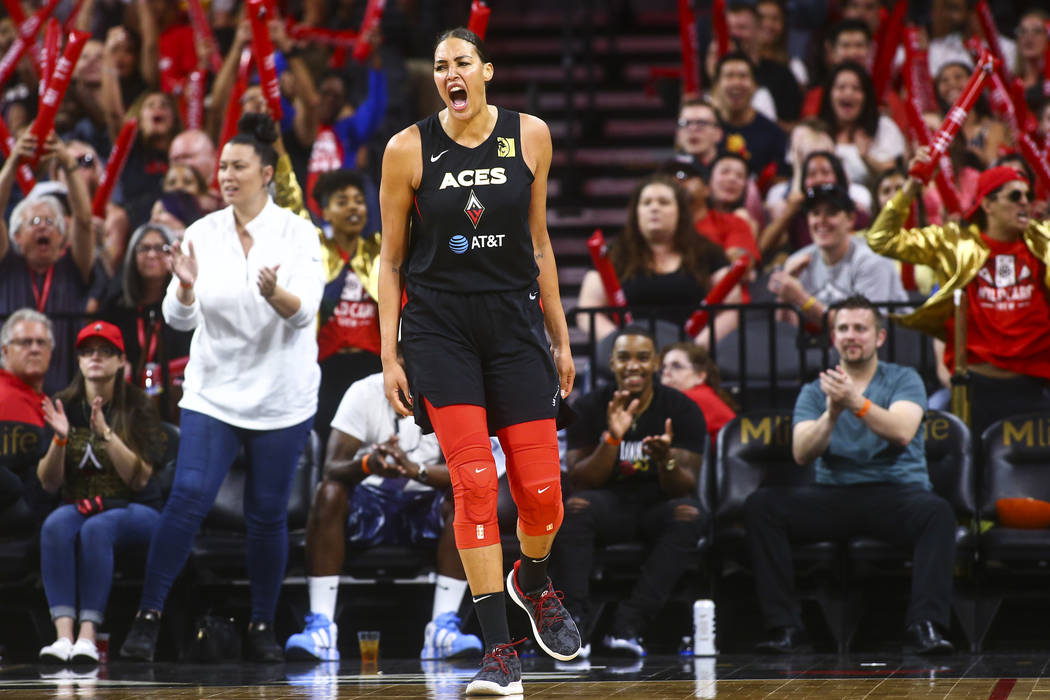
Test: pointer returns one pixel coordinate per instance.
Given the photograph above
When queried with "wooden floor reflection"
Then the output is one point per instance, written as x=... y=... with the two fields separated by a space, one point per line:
x=977 y=677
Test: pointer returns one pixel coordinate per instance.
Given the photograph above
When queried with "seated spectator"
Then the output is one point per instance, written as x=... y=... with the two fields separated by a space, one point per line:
x=998 y=257
x=688 y=368
x=634 y=456
x=771 y=72
x=176 y=209
x=698 y=131
x=951 y=22
x=849 y=40
x=860 y=425
x=836 y=265
x=101 y=459
x=729 y=232
x=729 y=190
x=134 y=307
x=790 y=228
x=193 y=148
x=26 y=339
x=866 y=141
x=36 y=268
x=983 y=135
x=773 y=40
x=183 y=178
x=348 y=336
x=758 y=139
x=665 y=269
x=371 y=447
x=1031 y=53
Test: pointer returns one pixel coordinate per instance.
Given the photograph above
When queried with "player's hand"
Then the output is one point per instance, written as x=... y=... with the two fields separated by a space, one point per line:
x=566 y=369
x=395 y=383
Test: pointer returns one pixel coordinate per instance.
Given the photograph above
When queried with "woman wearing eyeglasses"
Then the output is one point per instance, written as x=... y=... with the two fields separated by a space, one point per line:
x=106 y=442
x=135 y=309
x=998 y=257
x=688 y=368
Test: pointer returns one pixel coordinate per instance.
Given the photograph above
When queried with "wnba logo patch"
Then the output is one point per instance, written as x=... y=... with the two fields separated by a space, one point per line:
x=504 y=147
x=458 y=244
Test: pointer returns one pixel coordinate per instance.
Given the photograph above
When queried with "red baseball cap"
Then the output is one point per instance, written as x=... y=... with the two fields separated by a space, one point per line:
x=101 y=329
x=991 y=180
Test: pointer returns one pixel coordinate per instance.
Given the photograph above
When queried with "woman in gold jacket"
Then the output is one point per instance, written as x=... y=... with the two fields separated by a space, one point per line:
x=998 y=256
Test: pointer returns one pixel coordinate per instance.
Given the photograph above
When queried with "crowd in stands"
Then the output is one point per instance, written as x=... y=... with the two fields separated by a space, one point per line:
x=789 y=156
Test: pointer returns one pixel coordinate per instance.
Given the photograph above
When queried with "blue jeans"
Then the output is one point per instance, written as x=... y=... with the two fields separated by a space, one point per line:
x=207 y=448
x=76 y=555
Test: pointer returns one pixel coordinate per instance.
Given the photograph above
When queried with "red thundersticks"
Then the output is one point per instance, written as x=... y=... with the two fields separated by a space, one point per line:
x=479 y=18
x=717 y=295
x=600 y=257
x=262 y=47
x=118 y=156
x=955 y=117
x=690 y=51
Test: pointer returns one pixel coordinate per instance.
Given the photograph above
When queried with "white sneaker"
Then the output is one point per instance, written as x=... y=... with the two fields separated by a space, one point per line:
x=84 y=652
x=58 y=653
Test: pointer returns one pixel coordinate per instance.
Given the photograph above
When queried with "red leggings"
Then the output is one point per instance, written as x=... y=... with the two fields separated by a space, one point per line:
x=533 y=471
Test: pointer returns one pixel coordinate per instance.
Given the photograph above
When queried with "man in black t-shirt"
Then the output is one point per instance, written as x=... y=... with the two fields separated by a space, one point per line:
x=634 y=457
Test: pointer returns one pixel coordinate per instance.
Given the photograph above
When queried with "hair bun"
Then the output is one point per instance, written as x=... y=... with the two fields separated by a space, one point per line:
x=259 y=126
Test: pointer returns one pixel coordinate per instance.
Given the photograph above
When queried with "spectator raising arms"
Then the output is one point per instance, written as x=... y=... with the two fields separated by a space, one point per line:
x=42 y=265
x=107 y=441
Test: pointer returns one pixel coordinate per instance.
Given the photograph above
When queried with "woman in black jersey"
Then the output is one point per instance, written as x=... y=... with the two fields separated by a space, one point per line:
x=463 y=199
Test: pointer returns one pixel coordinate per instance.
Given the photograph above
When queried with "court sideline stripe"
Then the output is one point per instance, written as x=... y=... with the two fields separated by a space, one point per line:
x=1002 y=689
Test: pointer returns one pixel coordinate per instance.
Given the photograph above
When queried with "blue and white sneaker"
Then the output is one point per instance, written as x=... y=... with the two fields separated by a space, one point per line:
x=319 y=641
x=444 y=640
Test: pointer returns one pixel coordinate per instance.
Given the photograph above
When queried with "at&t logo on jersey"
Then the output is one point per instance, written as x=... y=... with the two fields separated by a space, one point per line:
x=474 y=209
x=458 y=244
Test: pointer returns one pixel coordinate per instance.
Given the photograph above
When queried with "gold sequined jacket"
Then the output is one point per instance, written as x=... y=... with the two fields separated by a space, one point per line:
x=365 y=261
x=955 y=252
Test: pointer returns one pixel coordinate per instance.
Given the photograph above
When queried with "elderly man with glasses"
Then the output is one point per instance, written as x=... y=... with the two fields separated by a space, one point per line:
x=26 y=340
x=42 y=265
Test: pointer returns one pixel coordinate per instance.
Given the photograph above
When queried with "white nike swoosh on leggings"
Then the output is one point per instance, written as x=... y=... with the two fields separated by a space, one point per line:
x=478 y=471
x=542 y=490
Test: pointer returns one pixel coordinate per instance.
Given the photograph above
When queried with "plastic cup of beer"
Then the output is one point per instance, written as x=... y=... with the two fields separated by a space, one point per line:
x=368 y=641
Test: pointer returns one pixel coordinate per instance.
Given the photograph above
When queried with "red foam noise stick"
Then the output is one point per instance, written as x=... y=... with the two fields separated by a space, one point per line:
x=479 y=18
x=14 y=8
x=889 y=39
x=27 y=30
x=194 y=97
x=118 y=157
x=720 y=26
x=233 y=113
x=49 y=54
x=262 y=47
x=202 y=32
x=717 y=295
x=953 y=121
x=56 y=90
x=690 y=49
x=343 y=39
x=917 y=71
x=599 y=251
x=1046 y=62
x=991 y=37
x=373 y=14
x=26 y=180
x=1035 y=157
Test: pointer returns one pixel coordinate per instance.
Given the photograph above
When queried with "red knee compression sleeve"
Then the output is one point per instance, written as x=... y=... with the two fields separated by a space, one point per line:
x=462 y=431
x=534 y=472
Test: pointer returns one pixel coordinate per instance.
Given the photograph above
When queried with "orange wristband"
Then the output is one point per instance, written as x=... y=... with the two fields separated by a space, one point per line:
x=863 y=409
x=610 y=440
x=364 y=464
x=61 y=442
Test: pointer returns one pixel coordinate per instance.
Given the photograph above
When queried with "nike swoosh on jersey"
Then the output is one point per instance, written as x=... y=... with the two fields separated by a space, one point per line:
x=543 y=489
x=434 y=159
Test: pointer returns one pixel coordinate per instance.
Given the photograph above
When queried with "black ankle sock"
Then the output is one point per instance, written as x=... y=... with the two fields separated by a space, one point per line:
x=491 y=610
x=532 y=573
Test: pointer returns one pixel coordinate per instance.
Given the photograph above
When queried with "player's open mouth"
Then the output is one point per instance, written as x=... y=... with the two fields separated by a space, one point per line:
x=458 y=97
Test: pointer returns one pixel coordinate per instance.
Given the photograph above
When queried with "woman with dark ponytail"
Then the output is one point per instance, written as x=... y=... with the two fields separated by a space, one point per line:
x=247 y=280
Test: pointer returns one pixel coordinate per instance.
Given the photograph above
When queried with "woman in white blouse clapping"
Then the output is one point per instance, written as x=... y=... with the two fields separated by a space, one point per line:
x=247 y=281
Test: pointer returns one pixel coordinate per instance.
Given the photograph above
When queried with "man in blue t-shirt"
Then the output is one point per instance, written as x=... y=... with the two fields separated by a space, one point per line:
x=859 y=425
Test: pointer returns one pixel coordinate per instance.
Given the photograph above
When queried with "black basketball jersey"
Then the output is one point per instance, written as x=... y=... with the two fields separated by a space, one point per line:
x=470 y=217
